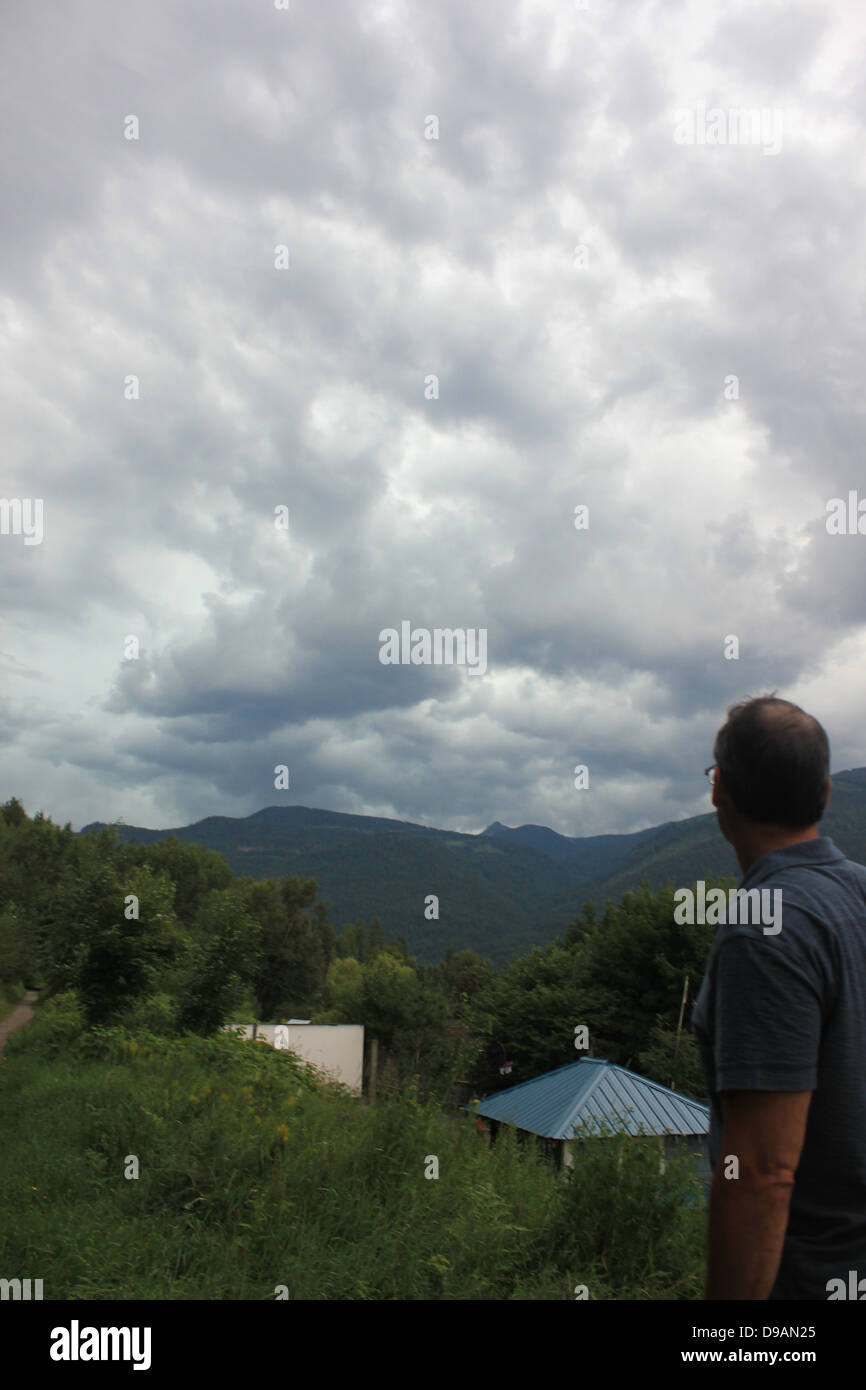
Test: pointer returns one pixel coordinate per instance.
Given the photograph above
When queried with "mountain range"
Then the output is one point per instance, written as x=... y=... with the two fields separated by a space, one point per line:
x=500 y=892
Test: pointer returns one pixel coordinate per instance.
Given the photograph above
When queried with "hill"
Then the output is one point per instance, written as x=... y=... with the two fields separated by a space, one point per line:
x=500 y=892
x=683 y=851
x=488 y=889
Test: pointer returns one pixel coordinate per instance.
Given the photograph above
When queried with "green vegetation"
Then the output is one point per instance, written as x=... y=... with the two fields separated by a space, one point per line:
x=367 y=867
x=163 y=936
x=502 y=892
x=253 y=1175
x=253 y=1171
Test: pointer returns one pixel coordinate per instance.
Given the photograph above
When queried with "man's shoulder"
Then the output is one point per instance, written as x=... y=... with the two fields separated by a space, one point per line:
x=813 y=875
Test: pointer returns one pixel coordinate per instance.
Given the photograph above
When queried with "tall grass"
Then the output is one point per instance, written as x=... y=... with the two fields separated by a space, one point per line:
x=253 y=1173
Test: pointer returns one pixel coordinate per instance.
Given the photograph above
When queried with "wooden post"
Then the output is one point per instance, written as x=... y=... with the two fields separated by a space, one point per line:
x=255 y=1031
x=679 y=1028
x=374 y=1068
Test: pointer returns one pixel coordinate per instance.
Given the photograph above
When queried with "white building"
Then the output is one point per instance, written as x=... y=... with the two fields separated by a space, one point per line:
x=337 y=1049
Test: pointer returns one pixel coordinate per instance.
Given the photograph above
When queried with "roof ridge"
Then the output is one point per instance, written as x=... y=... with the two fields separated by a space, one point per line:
x=530 y=1080
x=574 y=1107
x=658 y=1086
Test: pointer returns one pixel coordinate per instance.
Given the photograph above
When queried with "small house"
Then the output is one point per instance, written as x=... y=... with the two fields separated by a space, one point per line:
x=594 y=1097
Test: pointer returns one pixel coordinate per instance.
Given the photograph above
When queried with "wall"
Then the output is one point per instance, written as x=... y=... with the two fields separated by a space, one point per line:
x=695 y=1144
x=338 y=1049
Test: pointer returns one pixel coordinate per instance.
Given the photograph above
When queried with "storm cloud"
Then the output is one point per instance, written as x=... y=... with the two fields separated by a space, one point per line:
x=420 y=281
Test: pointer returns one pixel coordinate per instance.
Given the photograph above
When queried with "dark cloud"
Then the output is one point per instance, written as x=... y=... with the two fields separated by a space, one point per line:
x=582 y=288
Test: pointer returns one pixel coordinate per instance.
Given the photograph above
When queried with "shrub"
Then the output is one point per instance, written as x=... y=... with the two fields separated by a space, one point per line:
x=56 y=1028
x=156 y=1014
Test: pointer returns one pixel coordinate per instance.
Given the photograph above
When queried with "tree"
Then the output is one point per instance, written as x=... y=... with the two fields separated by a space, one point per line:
x=345 y=986
x=675 y=1061
x=582 y=926
x=531 y=1010
x=273 y=978
x=464 y=976
x=13 y=812
x=16 y=962
x=226 y=959
x=408 y=1015
x=347 y=942
x=377 y=940
x=621 y=975
x=100 y=942
x=296 y=946
x=633 y=964
x=324 y=929
x=194 y=871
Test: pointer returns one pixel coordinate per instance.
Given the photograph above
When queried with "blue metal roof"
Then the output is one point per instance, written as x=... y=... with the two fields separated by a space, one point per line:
x=595 y=1096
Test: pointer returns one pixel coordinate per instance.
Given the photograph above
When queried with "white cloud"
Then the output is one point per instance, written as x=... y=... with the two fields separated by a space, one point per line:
x=559 y=383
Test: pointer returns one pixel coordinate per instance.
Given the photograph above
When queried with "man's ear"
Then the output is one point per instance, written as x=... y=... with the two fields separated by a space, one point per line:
x=829 y=789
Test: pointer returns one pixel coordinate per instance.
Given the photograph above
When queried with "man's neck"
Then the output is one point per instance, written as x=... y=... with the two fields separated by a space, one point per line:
x=751 y=846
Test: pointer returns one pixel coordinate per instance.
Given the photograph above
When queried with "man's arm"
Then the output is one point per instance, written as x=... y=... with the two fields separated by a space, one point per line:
x=764 y=1130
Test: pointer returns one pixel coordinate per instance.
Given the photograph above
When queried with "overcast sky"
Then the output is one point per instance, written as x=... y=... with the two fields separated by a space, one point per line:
x=535 y=256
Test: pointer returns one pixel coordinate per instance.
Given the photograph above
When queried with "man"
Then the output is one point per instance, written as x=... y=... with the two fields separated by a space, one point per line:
x=780 y=1022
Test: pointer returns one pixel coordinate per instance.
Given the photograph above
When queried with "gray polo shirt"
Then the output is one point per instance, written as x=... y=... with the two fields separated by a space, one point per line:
x=787 y=1012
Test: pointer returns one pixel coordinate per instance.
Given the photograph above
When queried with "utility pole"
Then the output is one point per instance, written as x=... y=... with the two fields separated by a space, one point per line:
x=374 y=1068
x=679 y=1026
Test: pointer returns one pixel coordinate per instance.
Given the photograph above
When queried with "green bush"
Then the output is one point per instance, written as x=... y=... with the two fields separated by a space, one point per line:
x=253 y=1173
x=57 y=1026
x=639 y=1228
x=156 y=1013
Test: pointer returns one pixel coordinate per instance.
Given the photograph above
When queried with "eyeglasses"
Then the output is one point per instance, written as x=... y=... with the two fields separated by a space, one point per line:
x=708 y=770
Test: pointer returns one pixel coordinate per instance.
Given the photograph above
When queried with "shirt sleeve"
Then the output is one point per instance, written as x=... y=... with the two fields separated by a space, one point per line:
x=768 y=1015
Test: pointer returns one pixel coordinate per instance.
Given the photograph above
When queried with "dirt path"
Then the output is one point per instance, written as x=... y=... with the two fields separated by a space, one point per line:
x=21 y=1014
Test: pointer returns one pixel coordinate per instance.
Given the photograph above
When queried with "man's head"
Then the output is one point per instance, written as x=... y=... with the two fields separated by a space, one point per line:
x=772 y=771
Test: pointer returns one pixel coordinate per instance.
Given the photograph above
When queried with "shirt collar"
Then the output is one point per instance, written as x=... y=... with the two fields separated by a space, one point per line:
x=799 y=855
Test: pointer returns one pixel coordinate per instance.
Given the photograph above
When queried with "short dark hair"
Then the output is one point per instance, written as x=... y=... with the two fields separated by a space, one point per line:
x=774 y=761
